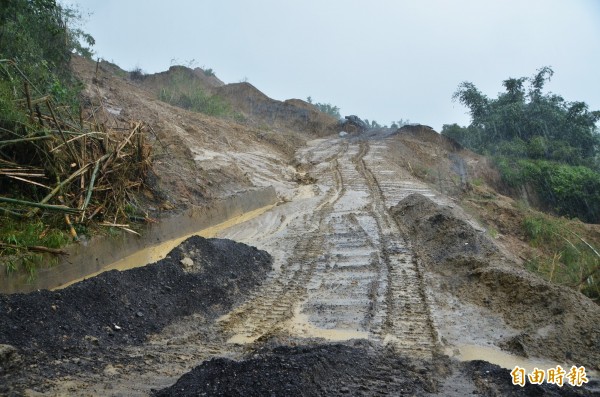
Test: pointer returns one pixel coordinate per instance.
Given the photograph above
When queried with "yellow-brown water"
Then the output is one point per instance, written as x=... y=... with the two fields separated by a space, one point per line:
x=507 y=360
x=158 y=252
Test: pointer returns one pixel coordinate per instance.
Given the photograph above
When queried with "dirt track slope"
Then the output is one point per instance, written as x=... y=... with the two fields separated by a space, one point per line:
x=361 y=298
x=377 y=281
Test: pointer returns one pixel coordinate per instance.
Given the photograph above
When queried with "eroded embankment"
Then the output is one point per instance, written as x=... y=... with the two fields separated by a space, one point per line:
x=82 y=327
x=465 y=269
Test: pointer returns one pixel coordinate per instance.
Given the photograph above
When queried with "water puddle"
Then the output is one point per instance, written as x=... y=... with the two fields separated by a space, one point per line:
x=158 y=252
x=507 y=360
x=300 y=325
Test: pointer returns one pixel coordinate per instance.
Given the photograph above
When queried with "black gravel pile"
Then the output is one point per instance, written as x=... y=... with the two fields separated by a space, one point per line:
x=123 y=308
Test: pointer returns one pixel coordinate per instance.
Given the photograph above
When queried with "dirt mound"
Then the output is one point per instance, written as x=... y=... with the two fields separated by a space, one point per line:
x=553 y=321
x=289 y=114
x=358 y=370
x=323 y=370
x=206 y=276
x=182 y=140
x=491 y=380
x=438 y=160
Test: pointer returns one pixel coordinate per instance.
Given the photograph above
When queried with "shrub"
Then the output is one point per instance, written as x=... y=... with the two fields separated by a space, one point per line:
x=568 y=259
x=186 y=92
x=573 y=191
x=137 y=74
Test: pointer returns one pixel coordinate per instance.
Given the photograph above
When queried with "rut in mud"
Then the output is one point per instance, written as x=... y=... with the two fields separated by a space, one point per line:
x=349 y=273
x=350 y=304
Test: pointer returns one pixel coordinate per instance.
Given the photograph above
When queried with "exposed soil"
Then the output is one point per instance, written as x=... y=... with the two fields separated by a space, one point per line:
x=358 y=370
x=369 y=278
x=553 y=321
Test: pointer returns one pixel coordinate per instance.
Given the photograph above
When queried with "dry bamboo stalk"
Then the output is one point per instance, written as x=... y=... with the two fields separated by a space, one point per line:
x=28 y=181
x=62 y=135
x=28 y=97
x=91 y=185
x=74 y=139
x=21 y=140
x=120 y=226
x=95 y=212
x=8 y=172
x=68 y=221
x=60 y=208
x=58 y=187
x=37 y=248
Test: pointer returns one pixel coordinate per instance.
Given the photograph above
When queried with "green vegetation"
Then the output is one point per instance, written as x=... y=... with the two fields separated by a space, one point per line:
x=400 y=123
x=538 y=140
x=40 y=37
x=326 y=108
x=186 y=91
x=59 y=171
x=569 y=259
x=22 y=243
x=37 y=40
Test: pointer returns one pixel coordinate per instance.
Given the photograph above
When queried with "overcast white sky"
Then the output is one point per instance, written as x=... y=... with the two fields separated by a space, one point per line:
x=380 y=59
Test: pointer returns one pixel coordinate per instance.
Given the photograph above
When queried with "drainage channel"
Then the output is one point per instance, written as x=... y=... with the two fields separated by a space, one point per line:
x=130 y=251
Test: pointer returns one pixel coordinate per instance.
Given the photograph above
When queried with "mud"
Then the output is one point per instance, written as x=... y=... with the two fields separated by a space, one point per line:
x=468 y=273
x=358 y=370
x=84 y=326
x=357 y=298
x=321 y=370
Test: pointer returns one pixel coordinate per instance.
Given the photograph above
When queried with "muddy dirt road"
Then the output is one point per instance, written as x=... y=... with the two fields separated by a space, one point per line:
x=343 y=270
x=348 y=307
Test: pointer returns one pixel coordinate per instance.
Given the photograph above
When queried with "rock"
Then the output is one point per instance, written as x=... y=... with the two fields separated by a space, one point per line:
x=9 y=357
x=187 y=263
x=91 y=339
x=109 y=370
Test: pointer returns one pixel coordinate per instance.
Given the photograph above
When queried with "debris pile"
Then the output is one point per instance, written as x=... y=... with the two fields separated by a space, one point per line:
x=53 y=160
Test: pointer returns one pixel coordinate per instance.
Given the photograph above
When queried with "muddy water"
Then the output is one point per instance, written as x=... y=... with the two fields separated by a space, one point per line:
x=158 y=252
x=85 y=260
x=506 y=360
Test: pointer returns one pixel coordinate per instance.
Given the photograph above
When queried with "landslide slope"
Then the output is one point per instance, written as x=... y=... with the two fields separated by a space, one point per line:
x=198 y=158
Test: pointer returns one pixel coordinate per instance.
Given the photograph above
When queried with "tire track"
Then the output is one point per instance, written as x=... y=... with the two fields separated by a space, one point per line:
x=404 y=320
x=273 y=304
x=350 y=274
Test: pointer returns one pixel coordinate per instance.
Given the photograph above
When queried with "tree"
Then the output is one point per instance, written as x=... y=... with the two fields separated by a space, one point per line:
x=326 y=108
x=38 y=35
x=537 y=139
x=524 y=113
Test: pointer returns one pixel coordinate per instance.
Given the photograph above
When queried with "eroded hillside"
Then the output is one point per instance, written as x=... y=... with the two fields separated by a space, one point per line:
x=389 y=263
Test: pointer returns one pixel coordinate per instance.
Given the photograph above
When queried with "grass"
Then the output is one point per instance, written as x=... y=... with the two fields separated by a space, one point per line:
x=561 y=252
x=566 y=257
x=16 y=237
x=185 y=91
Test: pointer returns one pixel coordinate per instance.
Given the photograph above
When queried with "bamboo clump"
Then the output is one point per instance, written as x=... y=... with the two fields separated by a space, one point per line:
x=77 y=166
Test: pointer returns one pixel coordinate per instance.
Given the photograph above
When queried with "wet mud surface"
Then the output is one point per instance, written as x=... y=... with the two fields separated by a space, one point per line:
x=537 y=318
x=374 y=284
